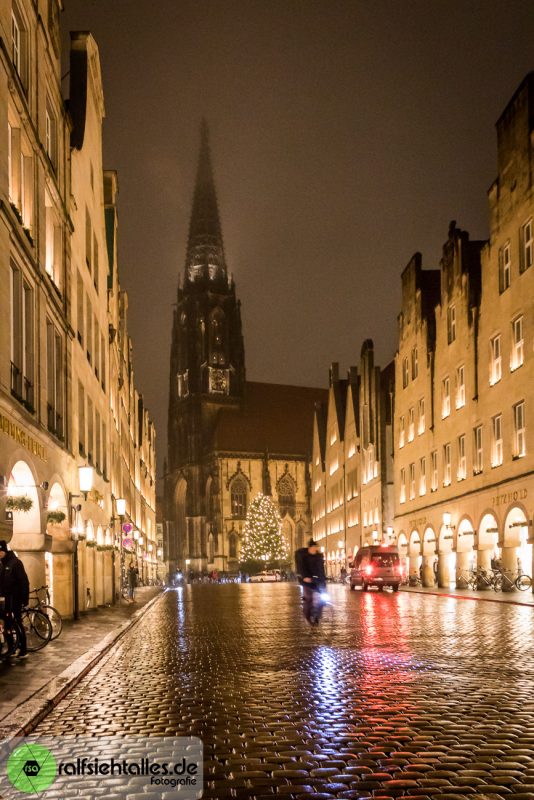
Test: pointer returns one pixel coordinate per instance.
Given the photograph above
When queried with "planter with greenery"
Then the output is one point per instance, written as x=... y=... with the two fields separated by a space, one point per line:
x=56 y=517
x=22 y=503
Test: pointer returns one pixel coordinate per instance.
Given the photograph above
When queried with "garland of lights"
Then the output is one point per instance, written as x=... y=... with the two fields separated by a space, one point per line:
x=262 y=535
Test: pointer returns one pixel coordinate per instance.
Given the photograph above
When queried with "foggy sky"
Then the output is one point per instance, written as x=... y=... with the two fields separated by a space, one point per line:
x=345 y=136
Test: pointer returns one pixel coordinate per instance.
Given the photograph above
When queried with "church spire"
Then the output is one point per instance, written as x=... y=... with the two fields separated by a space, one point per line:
x=205 y=251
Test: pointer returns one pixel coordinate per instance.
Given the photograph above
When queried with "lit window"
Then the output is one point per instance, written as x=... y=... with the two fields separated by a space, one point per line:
x=53 y=243
x=527 y=245
x=517 y=354
x=496 y=441
x=402 y=496
x=434 y=467
x=415 y=364
x=520 y=433
x=405 y=373
x=447 y=465
x=238 y=497
x=412 y=481
x=19 y=54
x=422 y=476
x=462 y=460
x=411 y=424
x=402 y=431
x=460 y=387
x=451 y=324
x=50 y=133
x=505 y=267
x=421 y=424
x=477 y=450
x=445 y=397
x=495 y=360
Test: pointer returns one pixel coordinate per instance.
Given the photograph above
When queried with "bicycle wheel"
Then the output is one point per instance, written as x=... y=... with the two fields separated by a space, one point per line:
x=55 y=618
x=37 y=627
x=497 y=583
x=523 y=582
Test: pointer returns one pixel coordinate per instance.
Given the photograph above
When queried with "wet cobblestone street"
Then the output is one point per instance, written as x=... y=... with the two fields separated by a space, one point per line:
x=402 y=695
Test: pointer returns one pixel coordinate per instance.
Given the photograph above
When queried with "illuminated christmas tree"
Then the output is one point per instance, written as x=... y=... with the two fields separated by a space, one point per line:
x=263 y=544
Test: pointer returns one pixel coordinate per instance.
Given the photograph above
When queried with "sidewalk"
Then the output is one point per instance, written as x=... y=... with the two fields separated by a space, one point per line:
x=21 y=680
x=514 y=598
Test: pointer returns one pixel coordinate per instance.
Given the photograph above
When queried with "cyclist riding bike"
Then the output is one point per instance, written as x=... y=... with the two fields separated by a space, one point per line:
x=310 y=568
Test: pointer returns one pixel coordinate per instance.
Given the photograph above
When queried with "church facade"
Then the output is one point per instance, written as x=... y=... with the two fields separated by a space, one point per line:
x=228 y=438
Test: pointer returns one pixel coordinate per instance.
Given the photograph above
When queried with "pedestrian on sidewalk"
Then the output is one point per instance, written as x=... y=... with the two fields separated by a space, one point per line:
x=133 y=577
x=15 y=589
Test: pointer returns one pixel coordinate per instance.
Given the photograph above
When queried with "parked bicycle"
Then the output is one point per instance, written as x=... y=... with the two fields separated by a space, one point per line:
x=52 y=613
x=504 y=583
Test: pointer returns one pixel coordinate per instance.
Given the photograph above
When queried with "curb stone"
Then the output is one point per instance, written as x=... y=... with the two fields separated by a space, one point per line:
x=467 y=597
x=30 y=712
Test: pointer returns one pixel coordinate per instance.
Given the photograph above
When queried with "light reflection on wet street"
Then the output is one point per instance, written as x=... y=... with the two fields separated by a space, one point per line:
x=395 y=695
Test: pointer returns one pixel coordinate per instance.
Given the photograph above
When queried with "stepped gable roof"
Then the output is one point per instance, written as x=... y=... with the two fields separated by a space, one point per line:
x=273 y=418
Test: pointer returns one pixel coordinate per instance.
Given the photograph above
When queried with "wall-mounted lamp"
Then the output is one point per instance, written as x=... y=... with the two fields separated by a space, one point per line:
x=447 y=519
x=85 y=480
x=120 y=506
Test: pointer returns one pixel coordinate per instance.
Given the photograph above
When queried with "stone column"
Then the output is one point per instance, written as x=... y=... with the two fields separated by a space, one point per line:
x=509 y=566
x=428 y=571
x=483 y=562
x=462 y=567
x=413 y=565
x=30 y=548
x=444 y=576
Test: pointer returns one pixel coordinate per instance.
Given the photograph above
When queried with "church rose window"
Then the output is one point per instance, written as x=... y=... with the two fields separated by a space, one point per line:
x=238 y=496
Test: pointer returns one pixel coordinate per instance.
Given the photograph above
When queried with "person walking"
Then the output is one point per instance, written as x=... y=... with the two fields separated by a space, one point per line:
x=15 y=589
x=133 y=577
x=310 y=568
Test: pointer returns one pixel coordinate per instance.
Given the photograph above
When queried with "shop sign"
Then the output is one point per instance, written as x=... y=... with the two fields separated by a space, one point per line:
x=509 y=497
x=414 y=523
x=23 y=438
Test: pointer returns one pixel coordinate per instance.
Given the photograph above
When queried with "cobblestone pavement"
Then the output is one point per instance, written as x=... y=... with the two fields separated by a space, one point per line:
x=20 y=680
x=396 y=695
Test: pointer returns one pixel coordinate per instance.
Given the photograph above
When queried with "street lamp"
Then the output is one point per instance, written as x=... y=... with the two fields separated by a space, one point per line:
x=120 y=505
x=85 y=480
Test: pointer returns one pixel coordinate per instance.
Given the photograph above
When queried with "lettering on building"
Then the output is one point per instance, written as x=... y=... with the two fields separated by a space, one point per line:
x=21 y=437
x=509 y=497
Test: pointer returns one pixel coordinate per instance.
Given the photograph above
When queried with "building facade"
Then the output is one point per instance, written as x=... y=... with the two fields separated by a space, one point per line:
x=60 y=303
x=352 y=464
x=229 y=438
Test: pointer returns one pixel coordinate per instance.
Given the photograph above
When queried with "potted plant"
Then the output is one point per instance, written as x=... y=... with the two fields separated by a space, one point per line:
x=21 y=503
x=55 y=517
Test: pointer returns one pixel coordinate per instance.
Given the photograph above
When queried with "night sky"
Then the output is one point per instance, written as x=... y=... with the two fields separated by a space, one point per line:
x=345 y=136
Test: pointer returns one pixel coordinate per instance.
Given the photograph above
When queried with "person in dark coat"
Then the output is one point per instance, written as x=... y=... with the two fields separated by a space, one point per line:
x=133 y=579
x=311 y=570
x=15 y=589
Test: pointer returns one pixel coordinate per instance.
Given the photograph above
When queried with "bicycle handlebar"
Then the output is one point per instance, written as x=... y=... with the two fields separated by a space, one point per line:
x=40 y=589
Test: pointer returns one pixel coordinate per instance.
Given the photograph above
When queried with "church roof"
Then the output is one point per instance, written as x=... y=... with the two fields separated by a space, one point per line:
x=274 y=418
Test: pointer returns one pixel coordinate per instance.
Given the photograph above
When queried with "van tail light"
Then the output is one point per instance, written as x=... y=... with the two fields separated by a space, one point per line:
x=369 y=570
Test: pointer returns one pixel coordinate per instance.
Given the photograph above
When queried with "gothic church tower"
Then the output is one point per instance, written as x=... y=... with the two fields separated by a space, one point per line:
x=207 y=369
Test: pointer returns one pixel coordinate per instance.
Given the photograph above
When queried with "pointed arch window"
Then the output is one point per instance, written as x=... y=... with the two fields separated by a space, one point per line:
x=217 y=337
x=239 y=497
x=232 y=545
x=286 y=495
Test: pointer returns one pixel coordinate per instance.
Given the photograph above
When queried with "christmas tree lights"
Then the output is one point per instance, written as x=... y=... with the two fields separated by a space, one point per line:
x=263 y=544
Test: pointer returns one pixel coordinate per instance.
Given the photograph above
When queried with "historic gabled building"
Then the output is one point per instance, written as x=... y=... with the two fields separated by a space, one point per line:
x=352 y=472
x=228 y=438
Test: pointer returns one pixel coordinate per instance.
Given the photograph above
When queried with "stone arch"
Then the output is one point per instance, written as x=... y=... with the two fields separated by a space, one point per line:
x=487 y=537
x=414 y=544
x=465 y=535
x=100 y=536
x=429 y=545
x=517 y=549
x=22 y=482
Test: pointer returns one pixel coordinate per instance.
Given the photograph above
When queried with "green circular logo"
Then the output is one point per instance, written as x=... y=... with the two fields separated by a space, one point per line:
x=31 y=768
